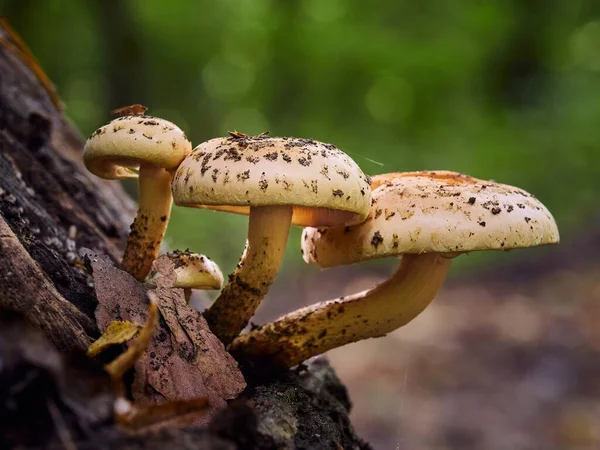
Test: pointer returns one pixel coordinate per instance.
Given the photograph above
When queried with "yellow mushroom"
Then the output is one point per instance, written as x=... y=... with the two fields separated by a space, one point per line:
x=193 y=271
x=428 y=218
x=147 y=148
x=279 y=182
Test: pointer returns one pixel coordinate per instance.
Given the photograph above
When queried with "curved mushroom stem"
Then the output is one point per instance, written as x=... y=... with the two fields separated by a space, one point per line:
x=315 y=329
x=268 y=231
x=148 y=228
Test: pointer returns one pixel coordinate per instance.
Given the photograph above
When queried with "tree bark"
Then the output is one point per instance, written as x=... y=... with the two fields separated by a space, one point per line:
x=50 y=208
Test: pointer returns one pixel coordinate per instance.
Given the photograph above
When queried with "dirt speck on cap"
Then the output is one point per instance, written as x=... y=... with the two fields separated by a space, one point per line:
x=376 y=239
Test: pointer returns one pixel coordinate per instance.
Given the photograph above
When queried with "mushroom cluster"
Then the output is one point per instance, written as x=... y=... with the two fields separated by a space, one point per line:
x=428 y=218
x=278 y=182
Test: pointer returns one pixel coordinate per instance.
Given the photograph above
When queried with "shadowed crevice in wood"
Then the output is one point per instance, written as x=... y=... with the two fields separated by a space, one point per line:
x=26 y=289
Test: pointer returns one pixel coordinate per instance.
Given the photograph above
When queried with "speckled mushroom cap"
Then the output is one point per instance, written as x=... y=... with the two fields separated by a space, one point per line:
x=122 y=144
x=325 y=186
x=196 y=271
x=435 y=211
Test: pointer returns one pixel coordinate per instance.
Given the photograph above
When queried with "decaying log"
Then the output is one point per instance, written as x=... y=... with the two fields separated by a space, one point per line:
x=51 y=208
x=49 y=311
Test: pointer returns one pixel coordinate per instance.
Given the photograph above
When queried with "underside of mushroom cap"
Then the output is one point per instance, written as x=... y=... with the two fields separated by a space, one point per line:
x=126 y=142
x=323 y=184
x=195 y=271
x=434 y=211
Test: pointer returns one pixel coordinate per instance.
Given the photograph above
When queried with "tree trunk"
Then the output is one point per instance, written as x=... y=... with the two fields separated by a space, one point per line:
x=50 y=207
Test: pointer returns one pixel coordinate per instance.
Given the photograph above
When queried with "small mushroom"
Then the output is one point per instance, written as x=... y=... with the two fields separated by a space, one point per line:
x=428 y=218
x=147 y=148
x=279 y=182
x=193 y=271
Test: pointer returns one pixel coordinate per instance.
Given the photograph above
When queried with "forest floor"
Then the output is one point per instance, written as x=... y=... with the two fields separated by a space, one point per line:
x=502 y=367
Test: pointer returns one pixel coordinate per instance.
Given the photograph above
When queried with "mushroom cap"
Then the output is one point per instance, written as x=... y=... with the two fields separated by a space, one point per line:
x=195 y=271
x=323 y=184
x=126 y=142
x=434 y=211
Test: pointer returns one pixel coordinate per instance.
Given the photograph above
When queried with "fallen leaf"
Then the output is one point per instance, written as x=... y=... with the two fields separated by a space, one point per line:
x=117 y=332
x=163 y=269
x=130 y=110
x=120 y=296
x=184 y=360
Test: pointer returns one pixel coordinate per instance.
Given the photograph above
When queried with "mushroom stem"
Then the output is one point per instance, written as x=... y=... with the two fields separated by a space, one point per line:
x=315 y=329
x=268 y=231
x=148 y=228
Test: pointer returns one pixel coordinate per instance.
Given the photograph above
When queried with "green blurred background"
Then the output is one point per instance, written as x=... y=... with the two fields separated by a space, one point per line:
x=507 y=357
x=506 y=90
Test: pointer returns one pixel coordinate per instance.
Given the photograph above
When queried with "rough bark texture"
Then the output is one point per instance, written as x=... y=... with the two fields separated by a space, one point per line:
x=51 y=207
x=184 y=360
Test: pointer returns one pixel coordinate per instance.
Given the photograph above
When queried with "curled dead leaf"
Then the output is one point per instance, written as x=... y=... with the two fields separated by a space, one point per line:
x=130 y=110
x=117 y=332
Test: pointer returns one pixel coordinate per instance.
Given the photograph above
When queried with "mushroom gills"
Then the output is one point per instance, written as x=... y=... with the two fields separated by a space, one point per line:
x=192 y=271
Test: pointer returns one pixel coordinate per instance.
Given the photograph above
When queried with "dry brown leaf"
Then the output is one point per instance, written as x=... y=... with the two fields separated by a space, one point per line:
x=130 y=110
x=164 y=269
x=184 y=360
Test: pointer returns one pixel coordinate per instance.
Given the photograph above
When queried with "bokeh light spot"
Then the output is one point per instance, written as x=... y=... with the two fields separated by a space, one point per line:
x=324 y=11
x=585 y=48
x=246 y=120
x=389 y=99
x=228 y=78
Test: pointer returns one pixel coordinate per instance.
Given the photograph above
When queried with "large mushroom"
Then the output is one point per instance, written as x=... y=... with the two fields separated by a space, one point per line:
x=150 y=149
x=279 y=182
x=428 y=218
